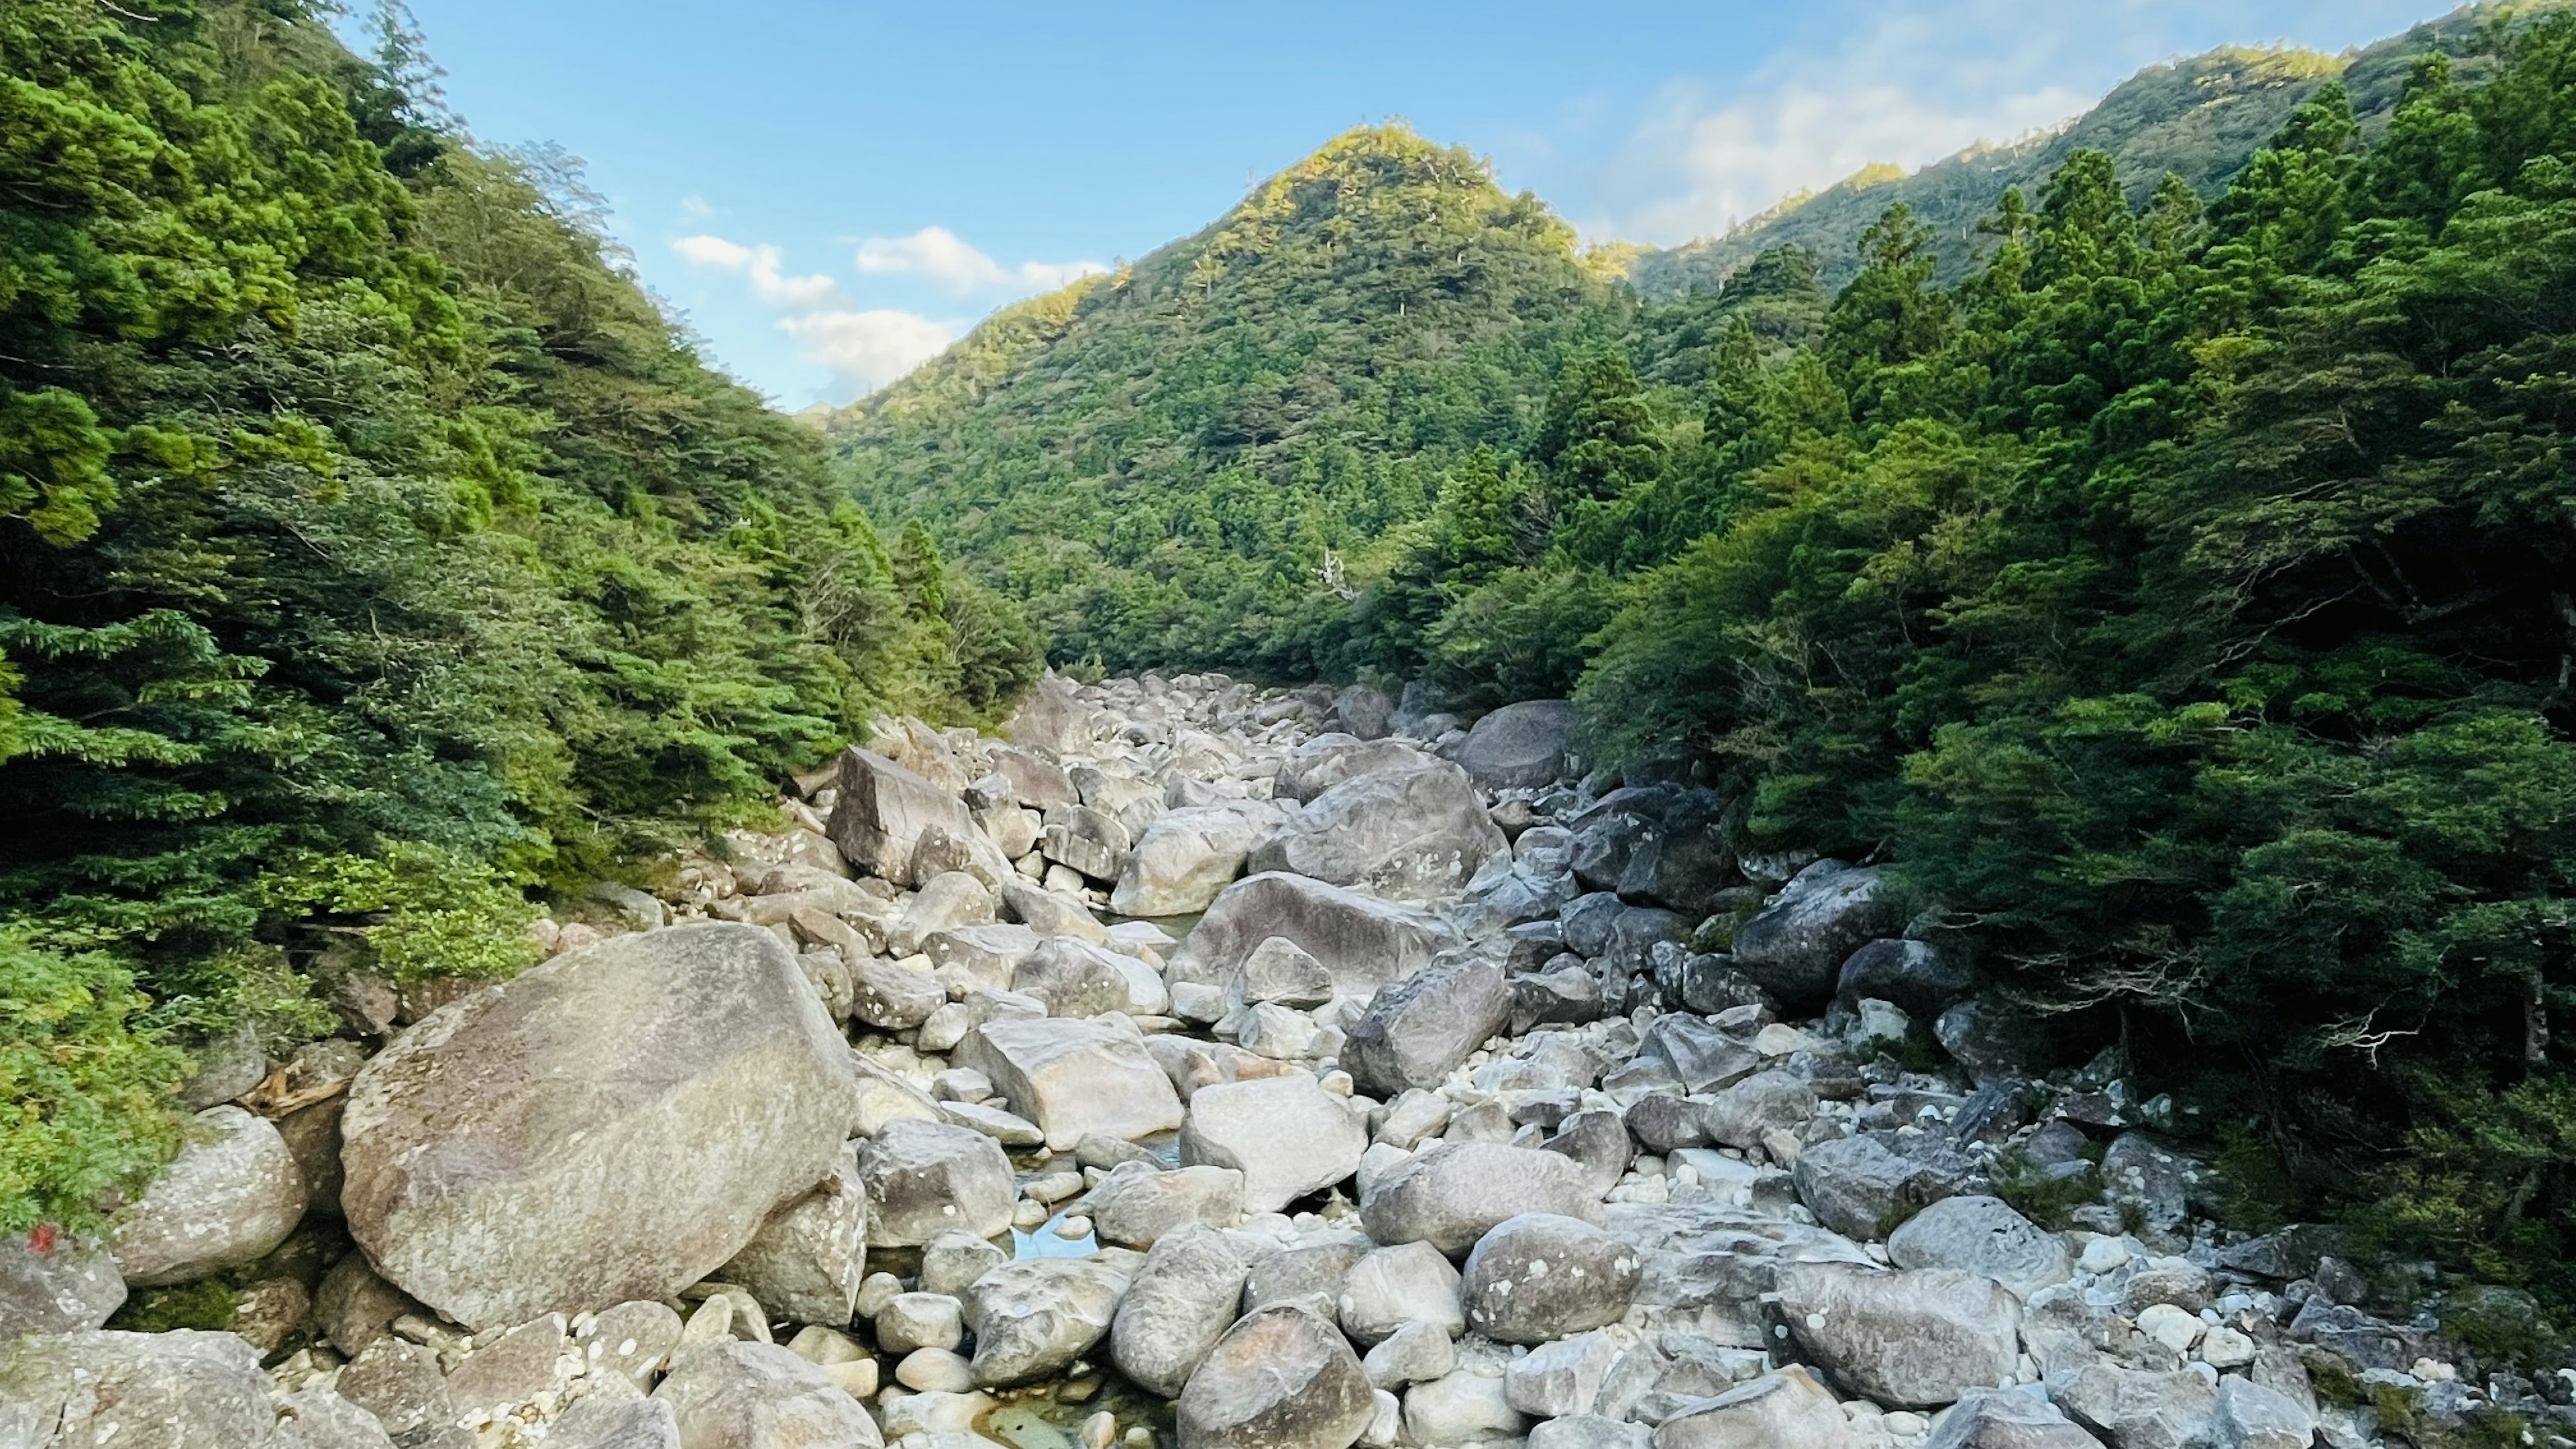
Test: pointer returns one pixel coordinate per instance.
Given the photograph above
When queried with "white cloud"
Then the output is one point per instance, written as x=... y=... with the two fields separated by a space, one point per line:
x=762 y=265
x=943 y=258
x=697 y=206
x=866 y=350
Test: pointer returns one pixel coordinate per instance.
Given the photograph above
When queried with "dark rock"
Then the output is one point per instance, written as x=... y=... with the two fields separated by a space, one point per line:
x=1920 y=978
x=1794 y=949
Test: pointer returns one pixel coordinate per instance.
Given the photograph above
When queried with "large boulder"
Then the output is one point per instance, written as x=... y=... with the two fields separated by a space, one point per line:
x=1858 y=1185
x=1451 y=1195
x=884 y=809
x=927 y=1178
x=1783 y=1410
x=1286 y=1135
x=1181 y=1302
x=735 y=1394
x=179 y=1390
x=1986 y=1236
x=52 y=1283
x=615 y=1123
x=1281 y=1378
x=2007 y=1419
x=1917 y=1339
x=805 y=1263
x=1795 y=948
x=232 y=1194
x=1074 y=1078
x=1416 y=1031
x=1085 y=839
x=1328 y=759
x=1409 y=834
x=1540 y=1277
x=1363 y=941
x=1187 y=856
x=1389 y=1288
x=1519 y=746
x=1033 y=1317
x=1135 y=1206
x=1073 y=977
x=1922 y=979
x=316 y=1417
x=1053 y=719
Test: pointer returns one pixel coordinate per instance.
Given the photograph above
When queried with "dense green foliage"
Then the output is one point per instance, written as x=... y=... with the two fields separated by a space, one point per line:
x=2181 y=604
x=372 y=548
x=2179 y=597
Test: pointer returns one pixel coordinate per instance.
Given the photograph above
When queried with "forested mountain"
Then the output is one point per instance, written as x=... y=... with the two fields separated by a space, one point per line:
x=2198 y=118
x=372 y=549
x=1172 y=461
x=2177 y=598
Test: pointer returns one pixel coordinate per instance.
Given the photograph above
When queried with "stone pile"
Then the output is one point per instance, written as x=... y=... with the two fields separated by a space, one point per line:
x=1482 y=1103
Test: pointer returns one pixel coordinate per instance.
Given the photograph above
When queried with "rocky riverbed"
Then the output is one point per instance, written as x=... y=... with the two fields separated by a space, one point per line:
x=1231 y=1069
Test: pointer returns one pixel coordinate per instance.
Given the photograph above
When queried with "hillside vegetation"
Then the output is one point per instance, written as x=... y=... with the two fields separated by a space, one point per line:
x=372 y=550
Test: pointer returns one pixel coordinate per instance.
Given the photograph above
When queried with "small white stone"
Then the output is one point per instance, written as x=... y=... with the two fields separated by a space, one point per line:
x=2102 y=1255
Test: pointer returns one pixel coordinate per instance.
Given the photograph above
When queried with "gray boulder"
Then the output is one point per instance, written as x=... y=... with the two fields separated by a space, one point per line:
x=926 y=1178
x=1408 y=834
x=1451 y=1195
x=232 y=1194
x=615 y=1123
x=1520 y=746
x=1702 y=1057
x=608 y=1421
x=1918 y=1339
x=1286 y=1135
x=1985 y=1236
x=1033 y=1317
x=1279 y=970
x=1073 y=977
x=1311 y=1274
x=883 y=809
x=1188 y=856
x=1135 y=1206
x=1074 y=1078
x=1795 y=948
x=734 y=1394
x=1391 y=1287
x=2007 y=1419
x=1556 y=1379
x=1783 y=1410
x=806 y=1261
x=1090 y=841
x=1181 y=1302
x=1329 y=759
x=1416 y=1031
x=1540 y=1277
x=1364 y=942
x=1764 y=1102
x=316 y=1417
x=1363 y=710
x=2250 y=1416
x=1281 y=1378
x=2135 y=1408
x=1035 y=782
x=179 y=1390
x=53 y=1283
x=1857 y=1185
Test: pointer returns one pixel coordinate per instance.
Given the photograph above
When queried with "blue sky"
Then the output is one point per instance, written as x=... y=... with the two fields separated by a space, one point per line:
x=832 y=192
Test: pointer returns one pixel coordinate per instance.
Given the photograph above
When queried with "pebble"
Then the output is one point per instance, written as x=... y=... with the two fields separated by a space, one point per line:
x=2102 y=1255
x=1073 y=1227
x=935 y=1371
